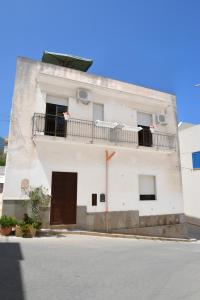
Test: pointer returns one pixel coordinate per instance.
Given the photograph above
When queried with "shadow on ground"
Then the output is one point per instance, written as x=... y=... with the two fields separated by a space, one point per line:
x=11 y=286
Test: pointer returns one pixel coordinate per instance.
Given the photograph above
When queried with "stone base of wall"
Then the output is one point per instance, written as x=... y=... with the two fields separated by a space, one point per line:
x=170 y=231
x=160 y=220
x=128 y=222
x=45 y=217
x=115 y=220
x=14 y=208
x=192 y=220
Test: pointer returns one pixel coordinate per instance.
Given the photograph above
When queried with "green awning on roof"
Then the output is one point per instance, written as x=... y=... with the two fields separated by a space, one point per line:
x=68 y=61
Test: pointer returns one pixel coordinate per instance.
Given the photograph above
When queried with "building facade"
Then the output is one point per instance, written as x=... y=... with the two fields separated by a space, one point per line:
x=106 y=150
x=190 y=166
x=2 y=181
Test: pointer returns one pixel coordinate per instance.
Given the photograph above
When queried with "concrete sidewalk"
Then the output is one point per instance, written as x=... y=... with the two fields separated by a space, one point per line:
x=46 y=232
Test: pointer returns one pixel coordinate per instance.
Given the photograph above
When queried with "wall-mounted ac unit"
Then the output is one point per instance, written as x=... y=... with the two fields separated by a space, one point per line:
x=83 y=96
x=161 y=119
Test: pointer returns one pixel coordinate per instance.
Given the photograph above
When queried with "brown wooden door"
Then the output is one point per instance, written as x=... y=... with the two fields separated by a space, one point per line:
x=64 y=194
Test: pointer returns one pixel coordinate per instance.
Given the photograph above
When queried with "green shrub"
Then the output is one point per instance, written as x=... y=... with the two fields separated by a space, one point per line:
x=29 y=221
x=7 y=221
x=24 y=228
x=2 y=159
x=38 y=198
x=28 y=226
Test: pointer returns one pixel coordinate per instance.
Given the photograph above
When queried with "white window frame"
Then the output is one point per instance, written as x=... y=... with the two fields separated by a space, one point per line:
x=98 y=103
x=155 y=187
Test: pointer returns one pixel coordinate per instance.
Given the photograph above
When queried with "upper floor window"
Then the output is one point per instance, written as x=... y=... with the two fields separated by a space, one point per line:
x=98 y=111
x=196 y=160
x=144 y=120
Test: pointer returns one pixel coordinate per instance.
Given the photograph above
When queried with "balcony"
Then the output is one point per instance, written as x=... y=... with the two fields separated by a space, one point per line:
x=88 y=131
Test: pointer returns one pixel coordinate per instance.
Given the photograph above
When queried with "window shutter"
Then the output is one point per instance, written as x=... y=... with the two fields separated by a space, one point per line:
x=98 y=112
x=147 y=187
x=196 y=160
x=144 y=119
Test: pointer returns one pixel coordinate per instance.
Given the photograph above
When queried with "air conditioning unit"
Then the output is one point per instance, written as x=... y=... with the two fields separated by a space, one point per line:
x=83 y=96
x=161 y=119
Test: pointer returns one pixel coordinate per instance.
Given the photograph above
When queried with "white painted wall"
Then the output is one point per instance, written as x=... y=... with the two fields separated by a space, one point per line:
x=2 y=174
x=190 y=142
x=36 y=159
x=2 y=180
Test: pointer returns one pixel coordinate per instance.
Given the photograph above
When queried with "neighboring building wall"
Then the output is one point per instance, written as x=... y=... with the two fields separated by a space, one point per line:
x=189 y=143
x=2 y=181
x=35 y=159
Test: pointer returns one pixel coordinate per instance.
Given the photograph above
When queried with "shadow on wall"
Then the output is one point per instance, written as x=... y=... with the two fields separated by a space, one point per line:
x=11 y=286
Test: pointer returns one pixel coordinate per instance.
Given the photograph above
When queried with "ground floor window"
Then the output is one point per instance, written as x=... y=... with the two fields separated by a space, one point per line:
x=147 y=187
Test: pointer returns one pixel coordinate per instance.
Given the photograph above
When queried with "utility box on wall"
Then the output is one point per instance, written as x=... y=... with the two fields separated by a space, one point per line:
x=102 y=198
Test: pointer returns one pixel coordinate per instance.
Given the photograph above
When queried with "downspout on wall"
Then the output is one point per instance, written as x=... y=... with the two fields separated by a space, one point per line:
x=108 y=157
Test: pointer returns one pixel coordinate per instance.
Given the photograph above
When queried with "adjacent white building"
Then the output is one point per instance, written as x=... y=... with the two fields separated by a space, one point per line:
x=190 y=165
x=2 y=181
x=105 y=149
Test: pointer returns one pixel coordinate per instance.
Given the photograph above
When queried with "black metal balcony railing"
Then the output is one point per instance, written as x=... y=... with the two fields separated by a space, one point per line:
x=57 y=126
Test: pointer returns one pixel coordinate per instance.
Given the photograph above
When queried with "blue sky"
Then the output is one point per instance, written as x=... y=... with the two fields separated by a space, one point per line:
x=153 y=43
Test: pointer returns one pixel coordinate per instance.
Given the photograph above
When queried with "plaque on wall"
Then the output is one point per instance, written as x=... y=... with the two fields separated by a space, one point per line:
x=24 y=184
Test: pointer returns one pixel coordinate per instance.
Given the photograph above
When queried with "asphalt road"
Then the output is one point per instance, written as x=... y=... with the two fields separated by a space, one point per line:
x=98 y=268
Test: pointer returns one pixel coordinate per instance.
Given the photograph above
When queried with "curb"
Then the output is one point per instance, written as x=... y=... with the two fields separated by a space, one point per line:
x=116 y=235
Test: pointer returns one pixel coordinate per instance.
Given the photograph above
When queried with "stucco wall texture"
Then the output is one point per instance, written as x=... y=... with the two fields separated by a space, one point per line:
x=189 y=142
x=35 y=158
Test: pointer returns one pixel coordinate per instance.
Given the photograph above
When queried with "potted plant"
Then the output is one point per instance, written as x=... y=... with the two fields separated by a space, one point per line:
x=7 y=223
x=27 y=227
x=37 y=199
x=25 y=230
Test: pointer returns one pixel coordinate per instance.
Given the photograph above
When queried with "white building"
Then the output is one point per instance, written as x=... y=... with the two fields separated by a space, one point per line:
x=138 y=188
x=190 y=164
x=2 y=181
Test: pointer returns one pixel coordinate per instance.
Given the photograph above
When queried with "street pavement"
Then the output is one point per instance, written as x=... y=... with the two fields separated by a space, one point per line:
x=98 y=268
